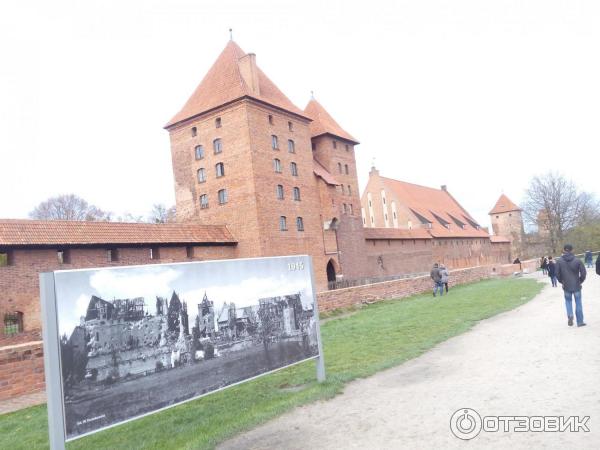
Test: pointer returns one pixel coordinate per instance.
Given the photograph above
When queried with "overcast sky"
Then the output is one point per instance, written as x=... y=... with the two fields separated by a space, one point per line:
x=478 y=95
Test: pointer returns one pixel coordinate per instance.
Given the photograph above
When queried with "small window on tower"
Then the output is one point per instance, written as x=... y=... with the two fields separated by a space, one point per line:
x=194 y=131
x=347 y=148
x=220 y=169
x=343 y=189
x=346 y=169
x=199 y=152
x=277 y=165
x=349 y=190
x=294 y=169
x=222 y=196
x=297 y=194
x=217 y=146
x=334 y=144
x=201 y=175
x=291 y=146
x=290 y=126
x=270 y=119
x=204 y=201
x=345 y=208
x=218 y=122
x=299 y=224
x=274 y=142
x=340 y=167
x=282 y=223
x=350 y=209
x=279 y=192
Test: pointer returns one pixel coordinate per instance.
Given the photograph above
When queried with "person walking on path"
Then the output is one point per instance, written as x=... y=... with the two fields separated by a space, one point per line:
x=571 y=273
x=589 y=258
x=544 y=265
x=436 y=276
x=552 y=271
x=445 y=276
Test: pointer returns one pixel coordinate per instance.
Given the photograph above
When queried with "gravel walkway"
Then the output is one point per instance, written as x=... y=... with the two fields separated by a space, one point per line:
x=523 y=362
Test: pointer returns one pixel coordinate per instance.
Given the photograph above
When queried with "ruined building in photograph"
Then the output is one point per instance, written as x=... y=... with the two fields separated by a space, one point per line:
x=256 y=175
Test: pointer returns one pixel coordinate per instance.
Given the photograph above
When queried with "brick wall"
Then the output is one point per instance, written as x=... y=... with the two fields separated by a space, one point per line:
x=21 y=369
x=344 y=298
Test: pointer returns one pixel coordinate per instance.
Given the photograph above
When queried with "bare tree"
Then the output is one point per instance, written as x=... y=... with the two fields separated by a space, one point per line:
x=555 y=205
x=68 y=207
x=161 y=214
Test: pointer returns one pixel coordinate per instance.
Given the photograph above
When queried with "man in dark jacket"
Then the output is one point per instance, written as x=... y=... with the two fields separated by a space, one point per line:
x=436 y=276
x=589 y=258
x=552 y=271
x=571 y=273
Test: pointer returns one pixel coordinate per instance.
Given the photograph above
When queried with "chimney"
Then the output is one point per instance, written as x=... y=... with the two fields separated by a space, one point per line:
x=444 y=188
x=249 y=72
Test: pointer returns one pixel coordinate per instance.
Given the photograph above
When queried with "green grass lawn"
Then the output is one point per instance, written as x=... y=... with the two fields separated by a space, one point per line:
x=376 y=337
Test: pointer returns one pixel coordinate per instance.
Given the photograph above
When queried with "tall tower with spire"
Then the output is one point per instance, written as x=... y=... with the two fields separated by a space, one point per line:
x=507 y=221
x=278 y=177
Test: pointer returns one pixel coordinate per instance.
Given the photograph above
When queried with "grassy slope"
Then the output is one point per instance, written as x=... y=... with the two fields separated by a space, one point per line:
x=377 y=337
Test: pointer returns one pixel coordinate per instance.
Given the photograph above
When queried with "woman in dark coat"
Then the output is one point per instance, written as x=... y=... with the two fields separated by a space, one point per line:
x=552 y=272
x=544 y=265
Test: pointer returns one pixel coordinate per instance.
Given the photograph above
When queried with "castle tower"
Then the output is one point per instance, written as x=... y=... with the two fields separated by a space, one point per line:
x=507 y=221
x=242 y=157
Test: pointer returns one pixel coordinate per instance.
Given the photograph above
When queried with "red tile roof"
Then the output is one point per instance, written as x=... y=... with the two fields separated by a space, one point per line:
x=396 y=233
x=322 y=172
x=499 y=239
x=504 y=204
x=223 y=83
x=436 y=206
x=323 y=123
x=15 y=232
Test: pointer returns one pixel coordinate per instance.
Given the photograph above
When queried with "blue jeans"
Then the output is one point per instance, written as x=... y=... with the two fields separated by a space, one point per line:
x=578 y=307
x=438 y=285
x=554 y=282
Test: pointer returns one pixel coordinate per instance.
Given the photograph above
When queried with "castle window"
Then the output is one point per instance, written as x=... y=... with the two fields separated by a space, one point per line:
x=218 y=122
x=279 y=192
x=274 y=142
x=291 y=146
x=372 y=220
x=290 y=126
x=345 y=208
x=297 y=194
x=201 y=175
x=346 y=169
x=217 y=146
x=199 y=152
x=334 y=144
x=270 y=119
x=204 y=201
x=194 y=131
x=340 y=167
x=112 y=255
x=154 y=253
x=277 y=165
x=5 y=259
x=64 y=256
x=349 y=190
x=13 y=323
x=347 y=148
x=299 y=224
x=222 y=196
x=282 y=223
x=220 y=169
x=343 y=189
x=294 y=169
x=189 y=252
x=350 y=209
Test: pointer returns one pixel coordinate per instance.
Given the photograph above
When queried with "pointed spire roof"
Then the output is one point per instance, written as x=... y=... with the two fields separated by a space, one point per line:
x=225 y=83
x=323 y=123
x=504 y=204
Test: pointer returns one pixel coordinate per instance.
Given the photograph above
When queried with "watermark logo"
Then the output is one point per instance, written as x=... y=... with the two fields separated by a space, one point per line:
x=466 y=423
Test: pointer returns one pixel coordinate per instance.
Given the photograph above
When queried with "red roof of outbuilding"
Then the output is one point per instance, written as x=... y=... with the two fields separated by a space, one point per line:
x=16 y=232
x=323 y=123
x=224 y=83
x=322 y=172
x=504 y=204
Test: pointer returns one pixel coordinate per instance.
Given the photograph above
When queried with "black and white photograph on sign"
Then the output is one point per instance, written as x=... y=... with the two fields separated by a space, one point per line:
x=134 y=340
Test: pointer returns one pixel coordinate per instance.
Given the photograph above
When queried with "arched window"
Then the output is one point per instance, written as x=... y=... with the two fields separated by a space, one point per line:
x=299 y=224
x=343 y=189
x=294 y=169
x=340 y=167
x=283 y=223
x=218 y=122
x=291 y=146
x=222 y=196
x=204 y=201
x=201 y=175
x=217 y=146
x=349 y=190
x=346 y=169
x=331 y=271
x=277 y=165
x=194 y=131
x=279 y=192
x=274 y=142
x=297 y=194
x=220 y=169
x=199 y=152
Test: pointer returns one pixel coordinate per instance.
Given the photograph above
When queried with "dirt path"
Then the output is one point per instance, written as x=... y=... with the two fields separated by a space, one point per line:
x=524 y=362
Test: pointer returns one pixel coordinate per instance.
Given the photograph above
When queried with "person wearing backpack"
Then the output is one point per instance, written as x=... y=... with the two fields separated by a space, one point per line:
x=571 y=273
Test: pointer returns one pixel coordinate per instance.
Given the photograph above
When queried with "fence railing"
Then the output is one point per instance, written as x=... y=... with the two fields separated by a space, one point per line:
x=341 y=284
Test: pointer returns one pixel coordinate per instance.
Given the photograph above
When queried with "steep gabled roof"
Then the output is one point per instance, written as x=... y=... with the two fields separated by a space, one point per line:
x=24 y=233
x=436 y=207
x=504 y=204
x=323 y=123
x=322 y=172
x=224 y=83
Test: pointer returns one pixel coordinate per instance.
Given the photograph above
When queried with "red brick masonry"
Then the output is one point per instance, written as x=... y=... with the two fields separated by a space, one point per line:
x=22 y=365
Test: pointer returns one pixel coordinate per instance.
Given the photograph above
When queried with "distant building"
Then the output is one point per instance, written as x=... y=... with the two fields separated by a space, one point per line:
x=507 y=222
